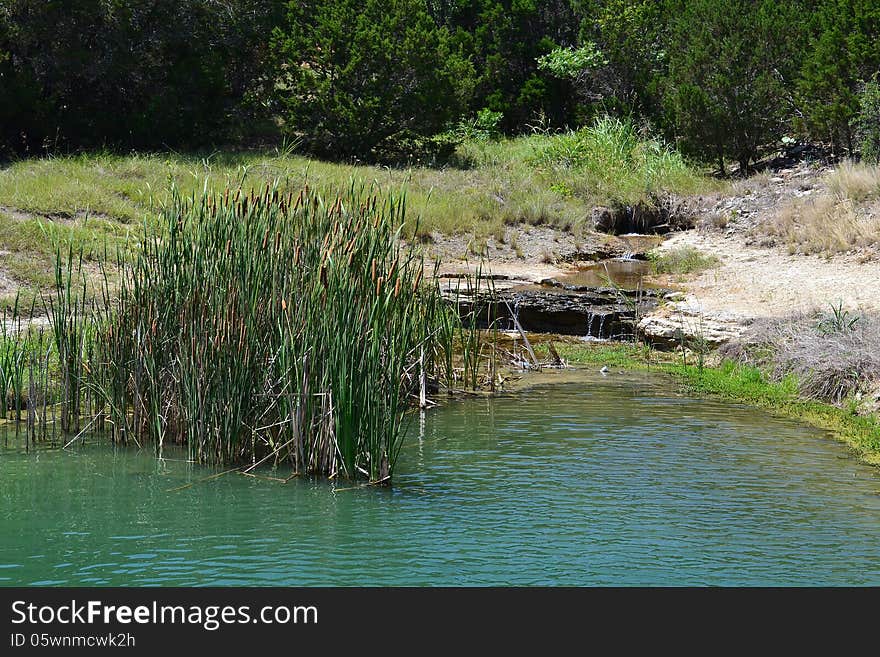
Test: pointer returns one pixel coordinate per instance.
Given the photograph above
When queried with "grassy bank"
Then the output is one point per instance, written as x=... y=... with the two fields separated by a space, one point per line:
x=555 y=179
x=742 y=384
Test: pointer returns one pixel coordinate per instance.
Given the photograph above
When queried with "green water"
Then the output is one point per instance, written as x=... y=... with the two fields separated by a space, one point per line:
x=611 y=480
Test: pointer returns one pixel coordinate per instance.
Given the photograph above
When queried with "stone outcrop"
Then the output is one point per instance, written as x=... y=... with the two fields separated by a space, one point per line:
x=682 y=319
x=599 y=312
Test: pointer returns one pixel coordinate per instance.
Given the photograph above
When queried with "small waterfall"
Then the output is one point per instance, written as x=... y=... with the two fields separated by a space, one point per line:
x=628 y=255
x=600 y=326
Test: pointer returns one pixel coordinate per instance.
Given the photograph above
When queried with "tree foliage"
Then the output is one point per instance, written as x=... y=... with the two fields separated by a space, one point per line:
x=139 y=73
x=375 y=80
x=632 y=36
x=841 y=55
x=727 y=81
x=361 y=78
x=505 y=39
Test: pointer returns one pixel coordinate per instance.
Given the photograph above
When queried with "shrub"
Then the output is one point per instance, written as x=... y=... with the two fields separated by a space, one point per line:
x=727 y=64
x=366 y=80
x=831 y=356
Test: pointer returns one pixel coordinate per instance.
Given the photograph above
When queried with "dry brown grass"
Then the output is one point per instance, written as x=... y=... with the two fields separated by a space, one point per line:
x=855 y=182
x=751 y=185
x=834 y=355
x=844 y=216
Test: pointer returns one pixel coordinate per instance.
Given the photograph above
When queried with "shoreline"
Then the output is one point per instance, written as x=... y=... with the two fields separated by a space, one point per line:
x=741 y=384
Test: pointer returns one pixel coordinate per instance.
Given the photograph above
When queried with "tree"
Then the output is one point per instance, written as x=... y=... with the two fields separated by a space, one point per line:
x=730 y=71
x=631 y=35
x=869 y=120
x=842 y=54
x=136 y=73
x=363 y=78
x=504 y=39
x=20 y=110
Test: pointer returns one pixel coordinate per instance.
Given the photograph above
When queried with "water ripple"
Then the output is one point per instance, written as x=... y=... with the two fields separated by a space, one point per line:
x=612 y=481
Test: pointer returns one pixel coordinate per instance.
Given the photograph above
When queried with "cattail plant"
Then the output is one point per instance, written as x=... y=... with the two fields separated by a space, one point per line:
x=28 y=381
x=258 y=327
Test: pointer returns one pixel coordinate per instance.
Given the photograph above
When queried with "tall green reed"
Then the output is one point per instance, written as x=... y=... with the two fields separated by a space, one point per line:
x=28 y=387
x=256 y=328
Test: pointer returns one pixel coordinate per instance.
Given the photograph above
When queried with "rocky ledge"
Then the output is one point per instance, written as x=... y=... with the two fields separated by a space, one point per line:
x=681 y=320
x=605 y=313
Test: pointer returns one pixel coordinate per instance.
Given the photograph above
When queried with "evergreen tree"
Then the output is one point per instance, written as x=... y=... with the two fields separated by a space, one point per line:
x=841 y=55
x=504 y=39
x=366 y=78
x=140 y=73
x=729 y=75
x=631 y=35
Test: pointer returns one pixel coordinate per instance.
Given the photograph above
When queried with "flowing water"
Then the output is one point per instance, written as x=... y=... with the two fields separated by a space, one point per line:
x=612 y=480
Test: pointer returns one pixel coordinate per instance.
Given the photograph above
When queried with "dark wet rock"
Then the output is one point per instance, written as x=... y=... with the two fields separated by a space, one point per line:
x=658 y=216
x=602 y=299
x=603 y=218
x=599 y=312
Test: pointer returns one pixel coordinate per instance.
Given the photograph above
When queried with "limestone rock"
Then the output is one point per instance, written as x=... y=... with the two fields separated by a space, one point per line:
x=666 y=326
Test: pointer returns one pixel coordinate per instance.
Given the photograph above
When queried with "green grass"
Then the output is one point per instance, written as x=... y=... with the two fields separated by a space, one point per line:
x=743 y=384
x=611 y=354
x=538 y=179
x=752 y=386
x=29 y=245
x=612 y=163
x=681 y=260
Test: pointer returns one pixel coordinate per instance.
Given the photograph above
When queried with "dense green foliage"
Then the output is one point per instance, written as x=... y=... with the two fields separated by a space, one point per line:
x=726 y=90
x=842 y=53
x=391 y=81
x=358 y=79
x=140 y=73
x=505 y=38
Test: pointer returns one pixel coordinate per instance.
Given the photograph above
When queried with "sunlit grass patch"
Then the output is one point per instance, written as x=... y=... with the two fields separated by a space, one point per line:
x=681 y=260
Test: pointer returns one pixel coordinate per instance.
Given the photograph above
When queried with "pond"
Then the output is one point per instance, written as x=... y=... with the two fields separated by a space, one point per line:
x=625 y=273
x=607 y=480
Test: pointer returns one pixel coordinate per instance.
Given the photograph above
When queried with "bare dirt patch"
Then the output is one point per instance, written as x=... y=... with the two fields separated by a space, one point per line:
x=8 y=285
x=64 y=217
x=752 y=281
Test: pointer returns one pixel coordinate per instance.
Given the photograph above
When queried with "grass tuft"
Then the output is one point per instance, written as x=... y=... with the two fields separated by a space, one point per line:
x=681 y=260
x=842 y=217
